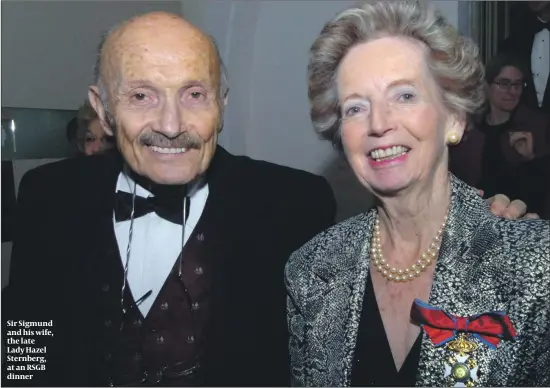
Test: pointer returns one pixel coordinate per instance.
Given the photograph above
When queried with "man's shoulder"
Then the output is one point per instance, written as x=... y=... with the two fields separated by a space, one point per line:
x=49 y=177
x=282 y=191
x=64 y=173
x=265 y=174
x=53 y=170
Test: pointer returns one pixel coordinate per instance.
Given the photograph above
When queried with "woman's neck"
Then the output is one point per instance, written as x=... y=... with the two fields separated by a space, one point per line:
x=410 y=222
x=497 y=116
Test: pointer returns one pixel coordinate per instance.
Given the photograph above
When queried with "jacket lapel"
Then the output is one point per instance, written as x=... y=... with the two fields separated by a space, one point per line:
x=103 y=271
x=225 y=243
x=331 y=282
x=459 y=284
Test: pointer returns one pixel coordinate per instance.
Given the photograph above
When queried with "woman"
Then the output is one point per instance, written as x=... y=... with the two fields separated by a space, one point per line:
x=90 y=137
x=384 y=298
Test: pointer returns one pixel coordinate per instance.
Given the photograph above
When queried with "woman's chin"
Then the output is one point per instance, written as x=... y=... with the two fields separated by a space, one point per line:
x=388 y=188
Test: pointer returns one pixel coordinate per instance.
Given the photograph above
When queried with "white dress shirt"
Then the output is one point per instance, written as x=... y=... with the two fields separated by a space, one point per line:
x=156 y=243
x=540 y=62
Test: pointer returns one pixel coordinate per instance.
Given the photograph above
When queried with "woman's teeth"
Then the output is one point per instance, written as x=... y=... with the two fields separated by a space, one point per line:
x=388 y=153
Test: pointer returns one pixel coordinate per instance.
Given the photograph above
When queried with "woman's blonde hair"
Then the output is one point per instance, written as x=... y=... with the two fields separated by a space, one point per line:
x=453 y=59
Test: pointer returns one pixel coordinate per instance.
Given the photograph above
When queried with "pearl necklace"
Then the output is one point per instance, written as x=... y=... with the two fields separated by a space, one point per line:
x=408 y=274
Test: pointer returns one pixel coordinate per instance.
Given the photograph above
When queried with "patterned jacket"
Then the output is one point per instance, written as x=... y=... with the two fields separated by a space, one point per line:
x=486 y=263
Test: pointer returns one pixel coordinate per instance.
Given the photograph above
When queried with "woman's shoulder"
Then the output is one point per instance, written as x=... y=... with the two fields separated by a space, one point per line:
x=525 y=232
x=521 y=263
x=332 y=245
x=526 y=242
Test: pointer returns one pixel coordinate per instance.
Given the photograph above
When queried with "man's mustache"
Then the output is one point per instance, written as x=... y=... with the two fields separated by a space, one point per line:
x=184 y=140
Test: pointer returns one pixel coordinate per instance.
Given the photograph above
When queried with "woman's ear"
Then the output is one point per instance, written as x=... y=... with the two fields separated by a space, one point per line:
x=456 y=126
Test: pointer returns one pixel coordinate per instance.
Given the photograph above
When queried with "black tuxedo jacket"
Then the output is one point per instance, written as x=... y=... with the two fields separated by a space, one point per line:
x=521 y=44
x=65 y=251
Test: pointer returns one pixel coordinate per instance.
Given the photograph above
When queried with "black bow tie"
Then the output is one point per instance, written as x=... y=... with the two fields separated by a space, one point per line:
x=169 y=207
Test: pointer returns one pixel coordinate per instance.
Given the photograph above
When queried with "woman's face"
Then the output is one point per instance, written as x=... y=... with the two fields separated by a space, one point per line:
x=505 y=90
x=394 y=124
x=96 y=139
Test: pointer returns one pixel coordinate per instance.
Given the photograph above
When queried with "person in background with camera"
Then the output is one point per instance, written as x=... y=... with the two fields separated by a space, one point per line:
x=492 y=154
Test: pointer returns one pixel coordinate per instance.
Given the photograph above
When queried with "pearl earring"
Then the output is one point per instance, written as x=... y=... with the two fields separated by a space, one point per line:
x=453 y=138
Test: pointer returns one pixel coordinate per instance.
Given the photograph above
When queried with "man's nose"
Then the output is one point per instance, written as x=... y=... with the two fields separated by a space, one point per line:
x=170 y=121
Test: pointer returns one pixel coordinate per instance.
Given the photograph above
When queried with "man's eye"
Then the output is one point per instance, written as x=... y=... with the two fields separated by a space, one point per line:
x=140 y=96
x=196 y=95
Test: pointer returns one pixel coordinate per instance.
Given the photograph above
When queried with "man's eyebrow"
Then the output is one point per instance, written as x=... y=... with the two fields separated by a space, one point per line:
x=138 y=83
x=141 y=83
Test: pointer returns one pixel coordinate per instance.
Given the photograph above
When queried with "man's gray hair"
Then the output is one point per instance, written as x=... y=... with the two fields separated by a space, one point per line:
x=453 y=59
x=103 y=92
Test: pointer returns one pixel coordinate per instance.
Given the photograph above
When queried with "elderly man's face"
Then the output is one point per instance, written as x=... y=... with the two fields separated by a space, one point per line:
x=163 y=81
x=393 y=122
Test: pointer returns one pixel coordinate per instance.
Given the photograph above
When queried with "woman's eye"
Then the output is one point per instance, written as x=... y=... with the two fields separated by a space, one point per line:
x=406 y=96
x=353 y=110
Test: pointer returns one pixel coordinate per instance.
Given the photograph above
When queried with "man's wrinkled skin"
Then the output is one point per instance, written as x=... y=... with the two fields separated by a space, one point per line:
x=161 y=76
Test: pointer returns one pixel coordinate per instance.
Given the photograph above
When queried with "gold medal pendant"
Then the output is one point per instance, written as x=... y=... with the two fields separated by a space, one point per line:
x=461 y=368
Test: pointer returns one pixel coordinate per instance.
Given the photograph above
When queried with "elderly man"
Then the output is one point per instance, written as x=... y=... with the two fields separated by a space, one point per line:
x=162 y=264
x=183 y=288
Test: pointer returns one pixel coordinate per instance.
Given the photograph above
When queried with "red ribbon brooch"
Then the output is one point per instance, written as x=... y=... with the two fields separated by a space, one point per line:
x=442 y=327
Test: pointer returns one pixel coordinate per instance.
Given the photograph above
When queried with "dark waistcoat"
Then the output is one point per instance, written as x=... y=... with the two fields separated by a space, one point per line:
x=168 y=346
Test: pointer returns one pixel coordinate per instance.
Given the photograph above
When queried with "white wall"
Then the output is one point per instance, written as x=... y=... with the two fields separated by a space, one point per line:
x=265 y=46
x=49 y=47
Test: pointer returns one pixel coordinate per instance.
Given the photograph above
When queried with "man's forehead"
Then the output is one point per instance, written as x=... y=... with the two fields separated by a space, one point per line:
x=174 y=46
x=162 y=69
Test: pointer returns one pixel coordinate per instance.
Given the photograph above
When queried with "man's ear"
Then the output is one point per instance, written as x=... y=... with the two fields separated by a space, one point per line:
x=225 y=99
x=97 y=104
x=224 y=102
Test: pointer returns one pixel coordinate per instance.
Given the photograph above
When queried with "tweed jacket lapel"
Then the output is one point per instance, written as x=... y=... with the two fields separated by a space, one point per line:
x=335 y=276
x=471 y=278
x=456 y=287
